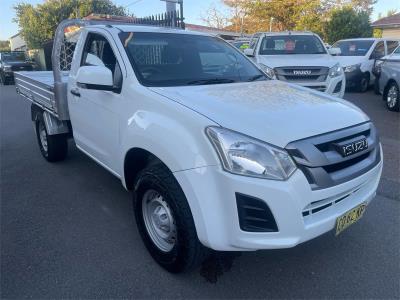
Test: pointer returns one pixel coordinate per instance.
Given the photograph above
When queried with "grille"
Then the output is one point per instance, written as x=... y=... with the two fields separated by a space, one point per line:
x=254 y=215
x=319 y=158
x=302 y=74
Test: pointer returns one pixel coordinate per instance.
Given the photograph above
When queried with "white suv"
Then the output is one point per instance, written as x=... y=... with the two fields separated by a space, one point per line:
x=357 y=57
x=299 y=57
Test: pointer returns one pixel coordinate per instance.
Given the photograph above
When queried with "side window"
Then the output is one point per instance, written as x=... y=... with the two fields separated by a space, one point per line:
x=379 y=51
x=391 y=46
x=98 y=52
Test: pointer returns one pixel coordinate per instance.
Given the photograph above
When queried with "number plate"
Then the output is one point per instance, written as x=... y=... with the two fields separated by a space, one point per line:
x=349 y=218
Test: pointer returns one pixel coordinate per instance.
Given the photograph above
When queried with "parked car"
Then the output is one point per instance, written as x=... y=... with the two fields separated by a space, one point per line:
x=389 y=81
x=298 y=57
x=241 y=44
x=12 y=61
x=357 y=57
x=216 y=155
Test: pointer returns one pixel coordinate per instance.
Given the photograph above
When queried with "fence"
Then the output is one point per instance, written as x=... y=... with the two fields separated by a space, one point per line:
x=168 y=19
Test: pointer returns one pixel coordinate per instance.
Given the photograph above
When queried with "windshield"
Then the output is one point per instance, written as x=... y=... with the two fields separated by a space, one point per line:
x=291 y=44
x=169 y=59
x=353 y=48
x=397 y=51
x=13 y=56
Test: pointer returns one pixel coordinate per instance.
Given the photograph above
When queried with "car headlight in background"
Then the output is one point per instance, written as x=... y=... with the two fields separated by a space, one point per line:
x=335 y=71
x=351 y=68
x=247 y=156
x=7 y=68
x=268 y=71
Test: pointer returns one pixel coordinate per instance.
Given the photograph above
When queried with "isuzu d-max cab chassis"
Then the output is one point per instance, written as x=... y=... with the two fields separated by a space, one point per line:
x=216 y=155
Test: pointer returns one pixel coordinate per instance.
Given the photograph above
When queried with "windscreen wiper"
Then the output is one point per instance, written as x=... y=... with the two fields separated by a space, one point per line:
x=210 y=81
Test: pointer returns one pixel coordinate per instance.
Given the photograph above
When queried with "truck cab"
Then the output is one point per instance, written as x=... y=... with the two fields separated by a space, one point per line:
x=300 y=58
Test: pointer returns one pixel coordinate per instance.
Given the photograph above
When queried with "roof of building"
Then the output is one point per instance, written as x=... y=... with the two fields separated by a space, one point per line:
x=391 y=21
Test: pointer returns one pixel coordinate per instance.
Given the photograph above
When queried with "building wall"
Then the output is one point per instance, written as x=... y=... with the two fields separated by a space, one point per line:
x=391 y=33
x=17 y=43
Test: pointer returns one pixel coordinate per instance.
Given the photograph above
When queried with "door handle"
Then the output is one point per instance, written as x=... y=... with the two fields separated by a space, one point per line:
x=75 y=92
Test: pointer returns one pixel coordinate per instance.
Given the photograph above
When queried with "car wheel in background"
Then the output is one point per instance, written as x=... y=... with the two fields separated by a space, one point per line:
x=364 y=83
x=165 y=221
x=392 y=96
x=53 y=147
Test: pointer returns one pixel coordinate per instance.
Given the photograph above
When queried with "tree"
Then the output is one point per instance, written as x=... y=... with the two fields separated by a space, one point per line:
x=347 y=23
x=214 y=18
x=5 y=46
x=38 y=23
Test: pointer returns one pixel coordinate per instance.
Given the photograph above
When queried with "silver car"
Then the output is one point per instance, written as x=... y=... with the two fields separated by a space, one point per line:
x=389 y=81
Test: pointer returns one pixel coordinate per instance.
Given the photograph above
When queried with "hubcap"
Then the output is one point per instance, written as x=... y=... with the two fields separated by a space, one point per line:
x=392 y=96
x=43 y=136
x=159 y=221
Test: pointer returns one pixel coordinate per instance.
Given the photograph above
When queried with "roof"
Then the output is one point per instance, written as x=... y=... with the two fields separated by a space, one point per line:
x=369 y=39
x=287 y=33
x=391 y=21
x=212 y=30
x=144 y=28
x=15 y=35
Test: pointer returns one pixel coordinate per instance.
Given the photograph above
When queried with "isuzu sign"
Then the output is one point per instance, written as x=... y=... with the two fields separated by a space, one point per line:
x=301 y=72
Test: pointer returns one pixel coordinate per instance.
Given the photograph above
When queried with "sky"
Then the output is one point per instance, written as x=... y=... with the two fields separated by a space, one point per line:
x=192 y=10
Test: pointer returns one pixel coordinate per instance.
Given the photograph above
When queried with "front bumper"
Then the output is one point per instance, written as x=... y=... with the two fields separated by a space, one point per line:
x=353 y=79
x=211 y=194
x=333 y=86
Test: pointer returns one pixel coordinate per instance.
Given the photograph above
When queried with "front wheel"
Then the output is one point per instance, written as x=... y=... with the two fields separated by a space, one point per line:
x=53 y=147
x=165 y=221
x=392 y=97
x=364 y=83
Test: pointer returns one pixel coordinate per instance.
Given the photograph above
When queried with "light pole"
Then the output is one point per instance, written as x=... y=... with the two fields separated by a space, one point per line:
x=270 y=24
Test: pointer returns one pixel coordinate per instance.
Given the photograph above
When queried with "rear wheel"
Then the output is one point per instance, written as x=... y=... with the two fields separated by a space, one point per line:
x=165 y=221
x=53 y=147
x=392 y=97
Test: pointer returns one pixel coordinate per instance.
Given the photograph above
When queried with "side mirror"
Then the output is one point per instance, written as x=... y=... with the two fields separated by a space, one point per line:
x=335 y=51
x=249 y=52
x=95 y=78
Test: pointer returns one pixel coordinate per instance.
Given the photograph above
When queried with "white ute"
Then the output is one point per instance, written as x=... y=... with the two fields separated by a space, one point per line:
x=298 y=57
x=216 y=155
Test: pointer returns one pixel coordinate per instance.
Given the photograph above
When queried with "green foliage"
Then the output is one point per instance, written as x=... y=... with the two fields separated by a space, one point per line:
x=5 y=46
x=347 y=23
x=38 y=23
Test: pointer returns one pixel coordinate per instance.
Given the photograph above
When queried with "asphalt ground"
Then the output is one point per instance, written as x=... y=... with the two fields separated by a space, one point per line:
x=68 y=231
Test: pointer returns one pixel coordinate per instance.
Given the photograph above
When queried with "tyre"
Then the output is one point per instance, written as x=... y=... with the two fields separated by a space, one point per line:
x=53 y=147
x=392 y=96
x=165 y=221
x=364 y=83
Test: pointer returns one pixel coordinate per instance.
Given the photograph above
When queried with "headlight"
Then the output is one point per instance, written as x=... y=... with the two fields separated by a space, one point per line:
x=335 y=71
x=268 y=71
x=246 y=156
x=7 y=68
x=351 y=68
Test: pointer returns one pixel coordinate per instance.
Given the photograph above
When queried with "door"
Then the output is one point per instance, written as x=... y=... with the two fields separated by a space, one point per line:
x=94 y=113
x=377 y=53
